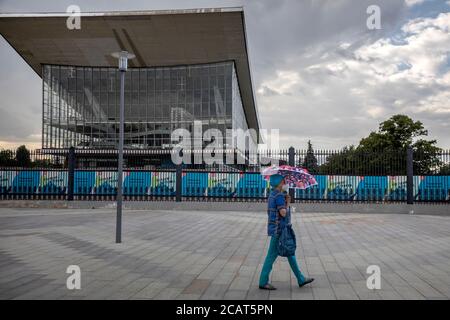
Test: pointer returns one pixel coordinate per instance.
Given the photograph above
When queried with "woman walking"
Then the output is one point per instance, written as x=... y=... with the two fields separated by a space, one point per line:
x=279 y=215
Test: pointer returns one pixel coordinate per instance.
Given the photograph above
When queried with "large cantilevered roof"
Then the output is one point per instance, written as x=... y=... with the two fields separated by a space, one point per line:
x=157 y=38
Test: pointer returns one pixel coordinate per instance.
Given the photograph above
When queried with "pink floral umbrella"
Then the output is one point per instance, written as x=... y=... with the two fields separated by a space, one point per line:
x=295 y=177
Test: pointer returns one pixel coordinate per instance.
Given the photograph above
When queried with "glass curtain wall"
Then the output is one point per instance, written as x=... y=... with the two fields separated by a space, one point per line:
x=81 y=104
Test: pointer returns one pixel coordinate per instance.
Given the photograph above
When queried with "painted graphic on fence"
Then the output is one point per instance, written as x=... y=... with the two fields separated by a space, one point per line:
x=221 y=184
x=6 y=178
x=163 y=183
x=53 y=182
x=135 y=183
x=33 y=182
x=53 y=179
x=342 y=187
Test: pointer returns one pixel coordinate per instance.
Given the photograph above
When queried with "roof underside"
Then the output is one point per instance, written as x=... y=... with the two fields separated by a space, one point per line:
x=157 y=38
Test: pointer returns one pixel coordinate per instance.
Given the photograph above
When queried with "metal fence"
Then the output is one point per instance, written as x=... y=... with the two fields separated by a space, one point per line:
x=345 y=175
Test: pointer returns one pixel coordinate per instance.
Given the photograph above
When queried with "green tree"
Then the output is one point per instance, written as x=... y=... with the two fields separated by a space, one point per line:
x=445 y=169
x=23 y=158
x=6 y=158
x=384 y=152
x=310 y=161
x=397 y=133
x=426 y=158
x=344 y=161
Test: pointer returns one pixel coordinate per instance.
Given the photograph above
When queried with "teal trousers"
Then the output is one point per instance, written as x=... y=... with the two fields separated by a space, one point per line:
x=272 y=255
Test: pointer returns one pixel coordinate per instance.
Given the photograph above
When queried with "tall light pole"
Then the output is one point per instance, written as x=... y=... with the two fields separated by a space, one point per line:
x=123 y=57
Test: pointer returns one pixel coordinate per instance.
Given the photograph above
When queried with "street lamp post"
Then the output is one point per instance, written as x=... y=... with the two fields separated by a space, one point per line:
x=123 y=57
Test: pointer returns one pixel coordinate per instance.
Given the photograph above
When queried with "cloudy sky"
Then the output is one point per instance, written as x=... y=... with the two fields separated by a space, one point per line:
x=318 y=72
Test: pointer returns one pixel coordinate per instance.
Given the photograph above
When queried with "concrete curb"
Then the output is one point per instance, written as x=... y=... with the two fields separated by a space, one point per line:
x=402 y=208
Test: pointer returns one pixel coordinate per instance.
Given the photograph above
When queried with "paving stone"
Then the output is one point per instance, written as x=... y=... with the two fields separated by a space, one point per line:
x=323 y=294
x=304 y=293
x=168 y=294
x=197 y=286
x=344 y=292
x=215 y=292
x=235 y=295
x=152 y=290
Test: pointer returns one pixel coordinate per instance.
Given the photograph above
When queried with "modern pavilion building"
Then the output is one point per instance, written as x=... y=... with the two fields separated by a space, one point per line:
x=190 y=66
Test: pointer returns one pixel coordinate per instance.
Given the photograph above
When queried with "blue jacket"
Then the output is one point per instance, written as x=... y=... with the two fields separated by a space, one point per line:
x=275 y=202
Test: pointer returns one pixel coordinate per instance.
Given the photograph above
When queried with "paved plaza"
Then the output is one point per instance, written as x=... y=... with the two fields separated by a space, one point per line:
x=218 y=255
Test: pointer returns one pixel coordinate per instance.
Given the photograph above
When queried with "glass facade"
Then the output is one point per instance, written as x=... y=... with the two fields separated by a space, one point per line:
x=81 y=104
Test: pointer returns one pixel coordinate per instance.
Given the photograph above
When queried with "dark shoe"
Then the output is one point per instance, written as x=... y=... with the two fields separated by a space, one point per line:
x=268 y=287
x=307 y=280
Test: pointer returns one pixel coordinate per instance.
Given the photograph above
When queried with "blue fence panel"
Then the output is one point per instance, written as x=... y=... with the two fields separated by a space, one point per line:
x=84 y=182
x=316 y=192
x=194 y=184
x=137 y=183
x=252 y=185
x=433 y=188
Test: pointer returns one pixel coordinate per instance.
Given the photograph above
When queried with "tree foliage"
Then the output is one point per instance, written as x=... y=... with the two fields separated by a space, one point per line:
x=23 y=157
x=310 y=161
x=6 y=158
x=384 y=152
